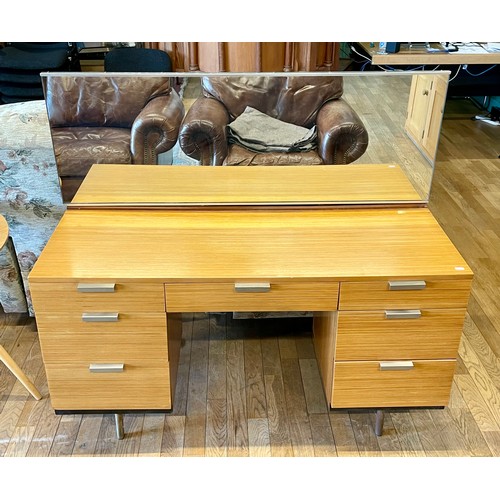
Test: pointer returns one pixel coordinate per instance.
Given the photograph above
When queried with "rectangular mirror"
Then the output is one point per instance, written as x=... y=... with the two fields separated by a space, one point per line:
x=372 y=137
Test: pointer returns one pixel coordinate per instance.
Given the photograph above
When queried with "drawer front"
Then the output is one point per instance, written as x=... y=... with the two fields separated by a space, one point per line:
x=430 y=334
x=66 y=338
x=373 y=295
x=98 y=296
x=261 y=296
x=362 y=384
x=143 y=384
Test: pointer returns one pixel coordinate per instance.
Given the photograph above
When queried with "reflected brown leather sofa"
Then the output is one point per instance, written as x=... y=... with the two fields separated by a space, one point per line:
x=302 y=100
x=109 y=119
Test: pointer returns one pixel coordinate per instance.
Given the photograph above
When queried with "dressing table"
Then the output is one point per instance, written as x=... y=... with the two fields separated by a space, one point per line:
x=353 y=244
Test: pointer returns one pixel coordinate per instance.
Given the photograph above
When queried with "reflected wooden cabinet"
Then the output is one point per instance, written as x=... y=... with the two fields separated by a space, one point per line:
x=251 y=56
x=425 y=112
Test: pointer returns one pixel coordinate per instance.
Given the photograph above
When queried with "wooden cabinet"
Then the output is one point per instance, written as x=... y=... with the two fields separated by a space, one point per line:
x=425 y=112
x=251 y=56
x=105 y=345
x=393 y=343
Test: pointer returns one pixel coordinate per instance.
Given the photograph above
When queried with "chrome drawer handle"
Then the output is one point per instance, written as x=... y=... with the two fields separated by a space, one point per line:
x=407 y=285
x=106 y=367
x=95 y=287
x=403 y=314
x=100 y=317
x=395 y=365
x=252 y=287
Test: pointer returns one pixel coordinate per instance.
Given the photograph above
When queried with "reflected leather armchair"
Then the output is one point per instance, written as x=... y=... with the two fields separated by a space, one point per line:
x=109 y=119
x=301 y=100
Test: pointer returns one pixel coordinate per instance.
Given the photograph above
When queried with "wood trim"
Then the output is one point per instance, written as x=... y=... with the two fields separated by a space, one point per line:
x=174 y=336
x=258 y=56
x=324 y=337
x=336 y=56
x=193 y=56
x=288 y=65
x=304 y=57
x=328 y=61
x=221 y=48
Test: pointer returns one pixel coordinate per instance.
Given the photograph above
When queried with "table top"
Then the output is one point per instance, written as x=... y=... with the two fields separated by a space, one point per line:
x=237 y=223
x=224 y=245
x=4 y=231
x=421 y=56
x=181 y=186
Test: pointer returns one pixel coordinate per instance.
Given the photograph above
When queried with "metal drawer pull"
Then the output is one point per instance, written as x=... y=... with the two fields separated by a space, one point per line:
x=407 y=285
x=96 y=287
x=106 y=367
x=395 y=365
x=100 y=317
x=252 y=287
x=403 y=314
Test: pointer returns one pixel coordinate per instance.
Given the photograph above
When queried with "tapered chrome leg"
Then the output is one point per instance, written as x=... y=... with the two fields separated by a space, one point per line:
x=119 y=425
x=379 y=422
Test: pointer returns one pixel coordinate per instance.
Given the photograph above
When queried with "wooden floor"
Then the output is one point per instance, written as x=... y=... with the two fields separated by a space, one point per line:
x=252 y=387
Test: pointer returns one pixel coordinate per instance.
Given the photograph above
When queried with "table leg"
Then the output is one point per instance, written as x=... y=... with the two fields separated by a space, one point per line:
x=119 y=425
x=379 y=422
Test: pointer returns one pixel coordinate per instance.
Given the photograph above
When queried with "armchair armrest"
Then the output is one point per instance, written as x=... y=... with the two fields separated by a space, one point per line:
x=342 y=137
x=203 y=134
x=156 y=128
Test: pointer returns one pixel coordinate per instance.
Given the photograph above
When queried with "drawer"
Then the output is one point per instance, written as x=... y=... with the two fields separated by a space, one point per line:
x=98 y=296
x=425 y=295
x=434 y=334
x=65 y=338
x=362 y=384
x=143 y=384
x=262 y=296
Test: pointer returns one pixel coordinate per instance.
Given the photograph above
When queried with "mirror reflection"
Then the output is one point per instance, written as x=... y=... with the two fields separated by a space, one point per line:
x=332 y=119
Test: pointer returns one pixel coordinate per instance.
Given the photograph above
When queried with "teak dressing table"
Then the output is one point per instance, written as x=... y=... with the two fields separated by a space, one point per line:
x=140 y=245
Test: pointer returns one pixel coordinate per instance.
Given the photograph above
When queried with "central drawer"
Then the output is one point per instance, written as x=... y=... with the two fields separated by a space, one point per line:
x=251 y=296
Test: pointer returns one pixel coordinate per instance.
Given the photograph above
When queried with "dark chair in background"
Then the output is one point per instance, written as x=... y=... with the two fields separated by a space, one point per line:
x=22 y=62
x=109 y=119
x=131 y=59
x=305 y=101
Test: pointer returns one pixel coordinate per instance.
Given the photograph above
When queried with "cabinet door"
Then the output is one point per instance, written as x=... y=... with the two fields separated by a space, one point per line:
x=430 y=139
x=425 y=112
x=418 y=106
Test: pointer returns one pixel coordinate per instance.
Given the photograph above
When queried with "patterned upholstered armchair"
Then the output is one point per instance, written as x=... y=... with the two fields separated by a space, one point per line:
x=30 y=197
